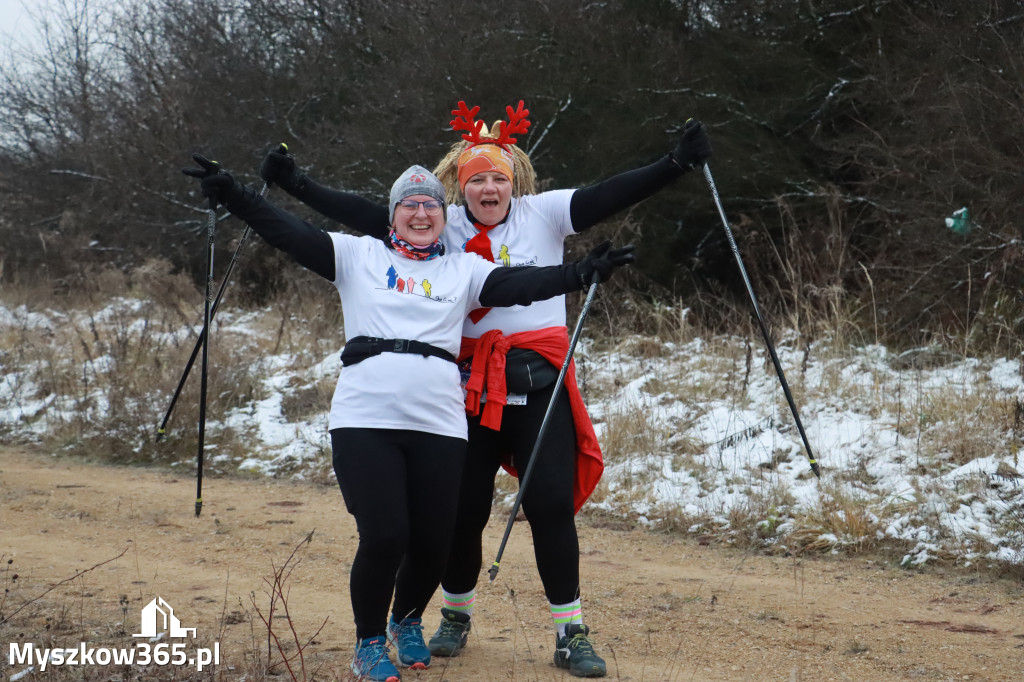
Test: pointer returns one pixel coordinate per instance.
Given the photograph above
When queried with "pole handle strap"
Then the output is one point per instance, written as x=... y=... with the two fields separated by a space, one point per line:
x=359 y=348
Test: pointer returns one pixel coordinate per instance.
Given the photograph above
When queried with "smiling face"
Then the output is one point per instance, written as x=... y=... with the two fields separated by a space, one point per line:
x=488 y=196
x=419 y=228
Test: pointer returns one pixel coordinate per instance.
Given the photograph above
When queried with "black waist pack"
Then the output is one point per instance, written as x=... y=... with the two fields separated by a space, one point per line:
x=358 y=348
x=526 y=370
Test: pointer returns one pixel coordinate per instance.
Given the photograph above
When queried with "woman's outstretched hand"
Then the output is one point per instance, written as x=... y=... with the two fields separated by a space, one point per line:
x=278 y=168
x=694 y=146
x=602 y=261
x=215 y=183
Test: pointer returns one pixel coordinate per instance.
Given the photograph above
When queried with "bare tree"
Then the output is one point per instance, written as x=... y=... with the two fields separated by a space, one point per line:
x=844 y=133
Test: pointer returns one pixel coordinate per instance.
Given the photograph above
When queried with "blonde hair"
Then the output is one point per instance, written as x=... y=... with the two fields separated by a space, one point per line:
x=524 y=180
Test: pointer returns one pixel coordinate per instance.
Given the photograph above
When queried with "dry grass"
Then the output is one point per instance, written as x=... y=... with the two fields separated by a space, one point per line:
x=66 y=616
x=58 y=617
x=111 y=360
x=95 y=379
x=942 y=423
x=838 y=520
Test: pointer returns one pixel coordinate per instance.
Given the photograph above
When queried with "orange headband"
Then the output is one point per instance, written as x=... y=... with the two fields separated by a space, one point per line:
x=482 y=158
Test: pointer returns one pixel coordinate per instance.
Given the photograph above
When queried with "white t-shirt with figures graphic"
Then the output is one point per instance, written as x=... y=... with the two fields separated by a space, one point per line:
x=533 y=234
x=386 y=295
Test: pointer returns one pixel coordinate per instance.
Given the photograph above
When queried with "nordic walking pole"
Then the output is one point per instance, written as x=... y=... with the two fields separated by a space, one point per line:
x=760 y=322
x=524 y=479
x=211 y=231
x=162 y=429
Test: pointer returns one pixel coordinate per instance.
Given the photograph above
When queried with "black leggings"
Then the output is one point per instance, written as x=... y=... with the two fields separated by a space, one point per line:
x=547 y=502
x=393 y=482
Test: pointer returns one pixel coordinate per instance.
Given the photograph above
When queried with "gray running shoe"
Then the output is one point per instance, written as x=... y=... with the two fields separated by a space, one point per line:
x=575 y=651
x=451 y=635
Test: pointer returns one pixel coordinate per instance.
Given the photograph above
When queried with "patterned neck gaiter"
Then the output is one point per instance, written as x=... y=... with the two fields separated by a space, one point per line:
x=415 y=252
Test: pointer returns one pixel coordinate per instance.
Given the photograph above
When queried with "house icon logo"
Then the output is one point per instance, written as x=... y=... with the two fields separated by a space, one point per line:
x=158 y=615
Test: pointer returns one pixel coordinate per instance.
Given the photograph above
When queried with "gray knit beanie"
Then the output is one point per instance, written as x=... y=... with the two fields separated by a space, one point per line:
x=415 y=180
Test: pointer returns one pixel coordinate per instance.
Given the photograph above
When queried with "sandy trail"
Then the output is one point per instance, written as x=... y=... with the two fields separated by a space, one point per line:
x=661 y=608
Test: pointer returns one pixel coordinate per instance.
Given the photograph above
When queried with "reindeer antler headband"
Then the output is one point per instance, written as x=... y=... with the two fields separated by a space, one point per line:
x=464 y=120
x=481 y=149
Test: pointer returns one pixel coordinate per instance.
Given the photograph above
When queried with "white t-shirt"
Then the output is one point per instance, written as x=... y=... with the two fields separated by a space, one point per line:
x=386 y=295
x=533 y=234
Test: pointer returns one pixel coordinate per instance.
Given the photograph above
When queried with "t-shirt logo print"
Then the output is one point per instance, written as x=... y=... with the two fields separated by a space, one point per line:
x=407 y=285
x=402 y=284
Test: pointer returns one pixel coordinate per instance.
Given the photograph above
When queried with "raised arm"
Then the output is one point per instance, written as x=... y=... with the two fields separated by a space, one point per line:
x=309 y=246
x=523 y=285
x=362 y=215
x=590 y=205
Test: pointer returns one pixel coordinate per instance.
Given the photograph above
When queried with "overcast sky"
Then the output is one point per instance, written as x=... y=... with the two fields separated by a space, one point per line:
x=14 y=17
x=16 y=23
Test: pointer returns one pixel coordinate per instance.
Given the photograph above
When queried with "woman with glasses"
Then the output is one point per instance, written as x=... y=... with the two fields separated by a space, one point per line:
x=495 y=212
x=397 y=421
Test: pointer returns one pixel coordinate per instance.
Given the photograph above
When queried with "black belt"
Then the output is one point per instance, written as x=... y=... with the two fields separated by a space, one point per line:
x=359 y=348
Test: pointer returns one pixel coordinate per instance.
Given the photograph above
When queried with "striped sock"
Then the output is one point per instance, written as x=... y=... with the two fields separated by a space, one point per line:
x=567 y=614
x=462 y=603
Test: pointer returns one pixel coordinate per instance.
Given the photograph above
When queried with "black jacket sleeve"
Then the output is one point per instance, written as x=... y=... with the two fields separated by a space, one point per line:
x=590 y=205
x=523 y=285
x=309 y=246
x=351 y=210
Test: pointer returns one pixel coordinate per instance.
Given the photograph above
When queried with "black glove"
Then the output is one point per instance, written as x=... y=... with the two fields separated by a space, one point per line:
x=278 y=168
x=602 y=261
x=216 y=184
x=694 y=146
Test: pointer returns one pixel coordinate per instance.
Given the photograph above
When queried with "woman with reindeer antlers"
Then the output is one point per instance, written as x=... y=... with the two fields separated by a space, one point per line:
x=397 y=421
x=513 y=354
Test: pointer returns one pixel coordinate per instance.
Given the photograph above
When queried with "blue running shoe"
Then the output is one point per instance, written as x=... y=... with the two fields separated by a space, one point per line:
x=407 y=636
x=371 y=661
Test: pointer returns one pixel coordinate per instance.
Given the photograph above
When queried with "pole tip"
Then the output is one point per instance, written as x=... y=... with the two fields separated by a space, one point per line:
x=199 y=506
x=492 y=572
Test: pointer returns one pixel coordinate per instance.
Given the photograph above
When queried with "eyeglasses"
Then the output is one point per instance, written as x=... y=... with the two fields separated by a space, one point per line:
x=430 y=207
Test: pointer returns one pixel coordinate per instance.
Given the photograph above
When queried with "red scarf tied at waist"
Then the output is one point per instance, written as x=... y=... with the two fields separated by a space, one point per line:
x=488 y=370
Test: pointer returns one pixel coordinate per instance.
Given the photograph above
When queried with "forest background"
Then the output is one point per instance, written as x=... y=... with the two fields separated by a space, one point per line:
x=847 y=135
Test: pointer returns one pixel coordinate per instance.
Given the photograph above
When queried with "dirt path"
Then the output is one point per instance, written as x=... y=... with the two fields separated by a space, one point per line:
x=661 y=608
